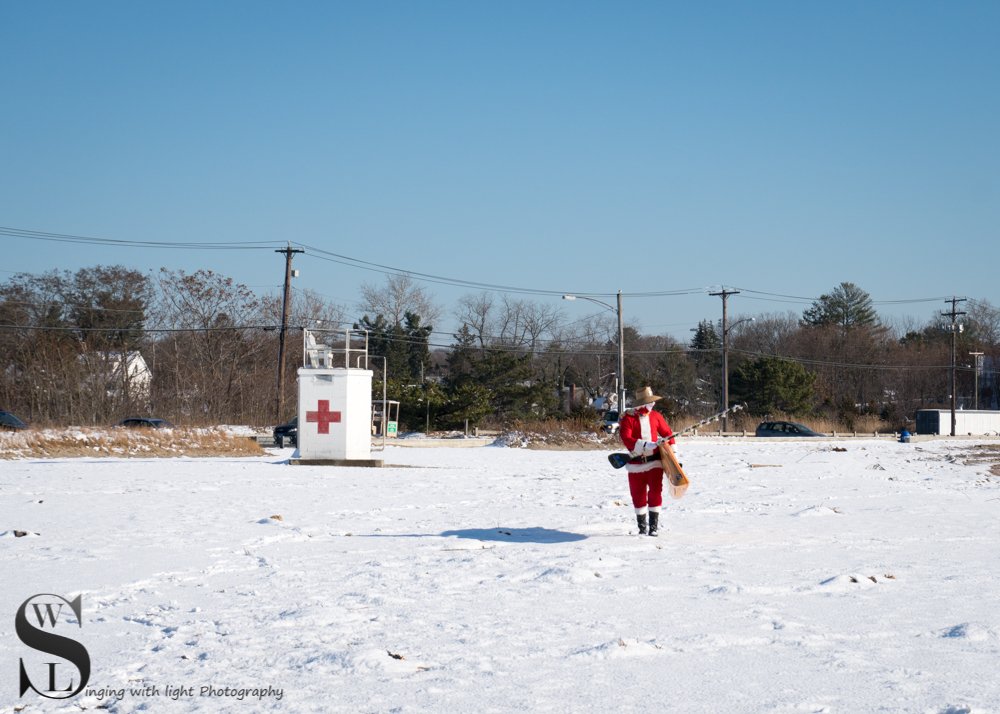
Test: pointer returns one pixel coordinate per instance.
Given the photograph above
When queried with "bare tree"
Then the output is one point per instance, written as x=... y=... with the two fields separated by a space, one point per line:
x=509 y=322
x=476 y=313
x=397 y=296
x=521 y=323
x=983 y=322
x=218 y=365
x=768 y=334
x=310 y=308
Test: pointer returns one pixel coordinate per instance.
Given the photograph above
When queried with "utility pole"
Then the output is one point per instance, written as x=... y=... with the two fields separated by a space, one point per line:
x=975 y=389
x=954 y=346
x=279 y=406
x=724 y=294
x=621 y=359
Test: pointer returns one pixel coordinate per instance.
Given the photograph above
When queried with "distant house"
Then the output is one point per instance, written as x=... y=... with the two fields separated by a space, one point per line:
x=572 y=397
x=137 y=378
x=128 y=378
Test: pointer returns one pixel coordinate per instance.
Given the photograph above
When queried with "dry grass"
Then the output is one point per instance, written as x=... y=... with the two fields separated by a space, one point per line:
x=584 y=433
x=125 y=443
x=741 y=421
x=558 y=426
x=558 y=434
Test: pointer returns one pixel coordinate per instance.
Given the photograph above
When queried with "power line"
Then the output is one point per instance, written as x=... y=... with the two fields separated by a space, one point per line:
x=74 y=305
x=180 y=245
x=329 y=256
x=838 y=365
x=314 y=252
x=779 y=297
x=129 y=328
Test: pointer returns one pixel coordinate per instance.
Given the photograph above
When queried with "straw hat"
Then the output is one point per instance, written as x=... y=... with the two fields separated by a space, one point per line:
x=645 y=396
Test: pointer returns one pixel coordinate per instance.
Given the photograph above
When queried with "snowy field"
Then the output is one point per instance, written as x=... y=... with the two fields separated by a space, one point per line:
x=810 y=576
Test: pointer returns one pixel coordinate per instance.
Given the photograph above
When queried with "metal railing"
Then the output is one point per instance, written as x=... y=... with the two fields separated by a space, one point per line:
x=322 y=348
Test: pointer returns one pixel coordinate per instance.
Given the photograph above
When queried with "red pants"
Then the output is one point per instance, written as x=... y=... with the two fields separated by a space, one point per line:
x=647 y=489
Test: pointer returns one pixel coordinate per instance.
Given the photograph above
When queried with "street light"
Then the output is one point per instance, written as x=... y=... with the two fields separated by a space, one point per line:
x=725 y=364
x=621 y=343
x=978 y=356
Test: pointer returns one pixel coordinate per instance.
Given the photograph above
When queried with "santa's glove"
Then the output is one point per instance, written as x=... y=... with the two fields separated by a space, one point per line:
x=673 y=447
x=644 y=448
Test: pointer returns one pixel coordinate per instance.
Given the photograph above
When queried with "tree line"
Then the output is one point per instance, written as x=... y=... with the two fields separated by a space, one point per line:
x=70 y=343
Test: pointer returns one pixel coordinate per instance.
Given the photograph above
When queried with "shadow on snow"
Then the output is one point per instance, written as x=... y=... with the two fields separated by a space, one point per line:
x=516 y=535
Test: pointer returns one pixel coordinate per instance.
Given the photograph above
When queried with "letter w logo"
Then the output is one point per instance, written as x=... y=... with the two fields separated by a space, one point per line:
x=48 y=609
x=53 y=616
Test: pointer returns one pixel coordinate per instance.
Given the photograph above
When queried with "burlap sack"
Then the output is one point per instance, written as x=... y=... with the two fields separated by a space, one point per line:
x=676 y=478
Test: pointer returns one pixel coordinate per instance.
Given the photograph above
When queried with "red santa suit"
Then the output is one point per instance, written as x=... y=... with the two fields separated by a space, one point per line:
x=639 y=429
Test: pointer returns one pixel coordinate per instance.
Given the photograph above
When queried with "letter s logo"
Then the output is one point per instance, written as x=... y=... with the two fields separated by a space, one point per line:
x=47 y=609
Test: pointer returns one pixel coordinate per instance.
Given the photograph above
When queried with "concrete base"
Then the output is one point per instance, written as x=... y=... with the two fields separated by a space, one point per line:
x=369 y=463
x=431 y=442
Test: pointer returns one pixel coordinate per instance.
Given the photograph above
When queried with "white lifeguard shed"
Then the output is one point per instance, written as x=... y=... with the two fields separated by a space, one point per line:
x=335 y=402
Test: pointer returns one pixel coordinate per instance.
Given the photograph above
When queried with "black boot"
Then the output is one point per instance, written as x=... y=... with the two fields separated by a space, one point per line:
x=654 y=523
x=641 y=520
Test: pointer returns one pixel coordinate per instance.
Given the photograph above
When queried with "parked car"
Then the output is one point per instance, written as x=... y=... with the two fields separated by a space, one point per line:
x=10 y=422
x=145 y=423
x=609 y=422
x=784 y=428
x=287 y=432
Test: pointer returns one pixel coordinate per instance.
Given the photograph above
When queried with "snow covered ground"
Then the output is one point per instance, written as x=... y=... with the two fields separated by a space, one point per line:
x=810 y=576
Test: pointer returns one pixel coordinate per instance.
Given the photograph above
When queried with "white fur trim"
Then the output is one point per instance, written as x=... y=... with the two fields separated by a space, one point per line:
x=644 y=429
x=655 y=509
x=643 y=468
x=641 y=511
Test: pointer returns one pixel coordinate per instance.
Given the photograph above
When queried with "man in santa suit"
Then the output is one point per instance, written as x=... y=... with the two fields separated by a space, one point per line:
x=641 y=429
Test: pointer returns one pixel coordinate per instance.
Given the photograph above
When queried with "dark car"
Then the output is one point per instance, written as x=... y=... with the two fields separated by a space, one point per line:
x=145 y=423
x=10 y=422
x=287 y=433
x=784 y=428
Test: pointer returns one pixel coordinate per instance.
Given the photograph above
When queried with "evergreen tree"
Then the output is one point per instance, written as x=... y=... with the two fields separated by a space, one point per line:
x=417 y=344
x=466 y=399
x=771 y=384
x=405 y=346
x=847 y=306
x=385 y=340
x=706 y=337
x=513 y=392
x=706 y=353
x=497 y=382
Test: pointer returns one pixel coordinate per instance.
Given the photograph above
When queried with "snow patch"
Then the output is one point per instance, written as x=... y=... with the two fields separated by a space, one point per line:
x=499 y=579
x=622 y=647
x=814 y=511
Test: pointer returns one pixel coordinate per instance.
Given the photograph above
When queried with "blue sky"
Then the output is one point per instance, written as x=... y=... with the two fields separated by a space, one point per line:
x=590 y=147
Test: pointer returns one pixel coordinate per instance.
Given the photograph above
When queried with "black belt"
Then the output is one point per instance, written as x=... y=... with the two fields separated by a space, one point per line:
x=645 y=459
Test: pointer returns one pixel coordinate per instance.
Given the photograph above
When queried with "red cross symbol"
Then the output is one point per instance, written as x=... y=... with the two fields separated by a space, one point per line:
x=323 y=416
